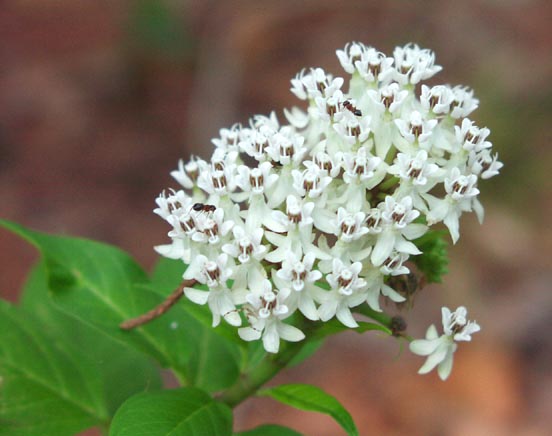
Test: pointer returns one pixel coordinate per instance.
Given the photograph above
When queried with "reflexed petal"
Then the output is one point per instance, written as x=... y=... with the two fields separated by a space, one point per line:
x=445 y=367
x=271 y=340
x=451 y=221
x=414 y=231
x=431 y=332
x=249 y=334
x=424 y=347
x=383 y=248
x=327 y=309
x=175 y=250
x=232 y=318
x=290 y=333
x=405 y=246
x=307 y=307
x=434 y=359
x=345 y=316
x=197 y=296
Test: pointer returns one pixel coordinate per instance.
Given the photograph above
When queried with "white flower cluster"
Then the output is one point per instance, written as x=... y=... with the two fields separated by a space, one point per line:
x=314 y=215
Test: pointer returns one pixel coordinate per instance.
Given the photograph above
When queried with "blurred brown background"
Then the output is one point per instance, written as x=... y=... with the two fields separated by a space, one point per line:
x=99 y=99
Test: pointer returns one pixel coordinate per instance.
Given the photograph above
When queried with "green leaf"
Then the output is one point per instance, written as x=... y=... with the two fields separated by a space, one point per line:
x=103 y=286
x=269 y=430
x=119 y=372
x=179 y=412
x=312 y=398
x=46 y=390
x=433 y=261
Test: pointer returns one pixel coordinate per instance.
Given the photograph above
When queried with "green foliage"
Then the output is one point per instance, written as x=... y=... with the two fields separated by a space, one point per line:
x=66 y=365
x=103 y=286
x=178 y=412
x=312 y=398
x=433 y=261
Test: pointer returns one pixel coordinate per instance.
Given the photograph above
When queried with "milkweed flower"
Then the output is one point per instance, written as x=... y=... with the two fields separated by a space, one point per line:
x=316 y=211
x=440 y=349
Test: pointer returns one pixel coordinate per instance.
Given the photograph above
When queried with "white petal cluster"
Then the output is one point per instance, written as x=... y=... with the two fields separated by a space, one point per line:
x=440 y=349
x=313 y=215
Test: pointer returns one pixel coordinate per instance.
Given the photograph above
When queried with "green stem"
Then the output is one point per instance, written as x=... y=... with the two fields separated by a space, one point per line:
x=271 y=364
x=251 y=381
x=388 y=183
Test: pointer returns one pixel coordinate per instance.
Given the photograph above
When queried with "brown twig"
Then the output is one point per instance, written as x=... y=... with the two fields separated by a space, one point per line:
x=159 y=310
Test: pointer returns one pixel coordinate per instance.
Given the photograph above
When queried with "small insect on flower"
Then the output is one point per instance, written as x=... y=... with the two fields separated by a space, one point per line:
x=349 y=106
x=200 y=207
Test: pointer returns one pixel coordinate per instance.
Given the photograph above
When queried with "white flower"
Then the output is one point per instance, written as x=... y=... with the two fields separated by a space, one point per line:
x=362 y=168
x=416 y=129
x=350 y=226
x=461 y=196
x=388 y=98
x=211 y=226
x=352 y=54
x=440 y=349
x=265 y=311
x=418 y=175
x=297 y=226
x=298 y=275
x=463 y=102
x=229 y=138
x=483 y=164
x=186 y=174
x=347 y=290
x=218 y=179
x=397 y=229
x=437 y=99
x=353 y=129
x=310 y=182
x=286 y=147
x=376 y=287
x=413 y=64
x=393 y=265
x=256 y=180
x=472 y=137
x=246 y=245
x=416 y=168
x=214 y=274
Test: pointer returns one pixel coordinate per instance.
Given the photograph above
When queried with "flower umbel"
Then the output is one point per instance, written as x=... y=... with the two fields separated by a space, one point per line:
x=317 y=217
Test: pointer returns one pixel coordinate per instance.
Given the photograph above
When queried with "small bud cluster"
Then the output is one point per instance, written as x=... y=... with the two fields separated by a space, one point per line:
x=317 y=214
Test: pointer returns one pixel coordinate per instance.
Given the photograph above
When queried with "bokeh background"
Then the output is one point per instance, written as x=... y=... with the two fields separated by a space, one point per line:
x=99 y=99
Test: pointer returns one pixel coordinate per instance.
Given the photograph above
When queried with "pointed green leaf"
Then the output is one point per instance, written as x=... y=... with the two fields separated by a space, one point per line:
x=269 y=430
x=308 y=397
x=118 y=371
x=179 y=412
x=45 y=389
x=103 y=286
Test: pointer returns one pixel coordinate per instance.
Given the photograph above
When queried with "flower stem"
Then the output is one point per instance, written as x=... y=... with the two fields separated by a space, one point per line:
x=251 y=381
